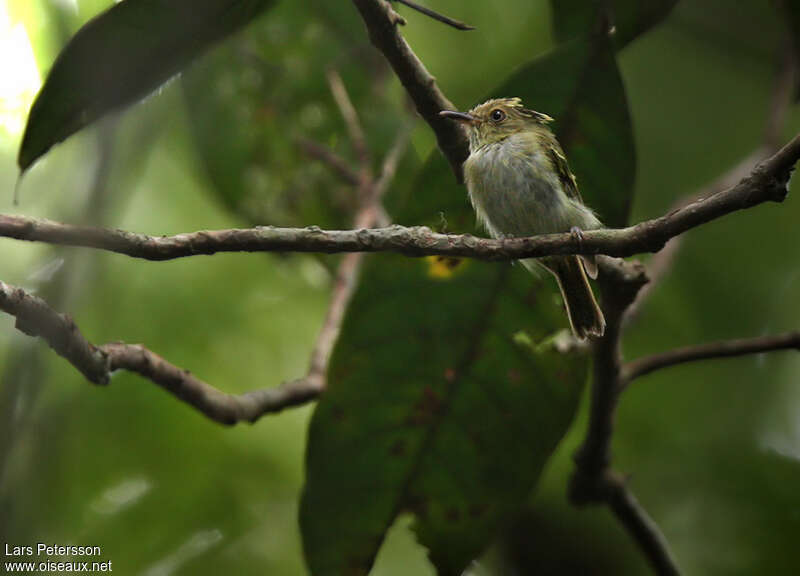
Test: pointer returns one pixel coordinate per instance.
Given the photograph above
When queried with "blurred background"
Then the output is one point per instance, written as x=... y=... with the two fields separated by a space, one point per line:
x=713 y=448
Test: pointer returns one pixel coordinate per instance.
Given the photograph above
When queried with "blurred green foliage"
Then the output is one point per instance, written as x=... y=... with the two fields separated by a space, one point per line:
x=714 y=448
x=121 y=56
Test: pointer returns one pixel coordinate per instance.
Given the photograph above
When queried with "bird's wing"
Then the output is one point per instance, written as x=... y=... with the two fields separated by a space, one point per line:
x=562 y=169
x=570 y=186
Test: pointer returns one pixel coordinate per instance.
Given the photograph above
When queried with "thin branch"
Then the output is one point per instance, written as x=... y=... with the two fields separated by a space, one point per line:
x=35 y=318
x=640 y=526
x=344 y=285
x=350 y=117
x=381 y=22
x=392 y=160
x=218 y=406
x=331 y=159
x=767 y=182
x=457 y=24
x=346 y=279
x=723 y=349
x=782 y=96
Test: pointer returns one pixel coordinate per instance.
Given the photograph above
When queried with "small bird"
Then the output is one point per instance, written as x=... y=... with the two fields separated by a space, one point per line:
x=520 y=184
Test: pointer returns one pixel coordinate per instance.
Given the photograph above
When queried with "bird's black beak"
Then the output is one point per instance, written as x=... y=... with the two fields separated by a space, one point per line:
x=458 y=116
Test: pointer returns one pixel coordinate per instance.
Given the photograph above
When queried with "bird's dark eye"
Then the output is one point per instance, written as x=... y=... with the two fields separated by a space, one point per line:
x=497 y=115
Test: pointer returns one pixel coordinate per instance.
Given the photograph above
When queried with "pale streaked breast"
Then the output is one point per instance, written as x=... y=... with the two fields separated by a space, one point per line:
x=515 y=192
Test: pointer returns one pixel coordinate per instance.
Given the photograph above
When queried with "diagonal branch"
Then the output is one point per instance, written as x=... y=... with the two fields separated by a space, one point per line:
x=767 y=182
x=346 y=279
x=36 y=318
x=457 y=24
x=331 y=159
x=723 y=349
x=640 y=526
x=350 y=117
x=219 y=406
x=381 y=22
x=96 y=363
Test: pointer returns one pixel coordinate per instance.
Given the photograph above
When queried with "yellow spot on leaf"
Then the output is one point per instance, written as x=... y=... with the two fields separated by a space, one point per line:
x=443 y=267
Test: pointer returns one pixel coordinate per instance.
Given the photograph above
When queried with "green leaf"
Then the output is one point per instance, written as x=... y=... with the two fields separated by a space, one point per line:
x=122 y=55
x=445 y=399
x=629 y=18
x=435 y=409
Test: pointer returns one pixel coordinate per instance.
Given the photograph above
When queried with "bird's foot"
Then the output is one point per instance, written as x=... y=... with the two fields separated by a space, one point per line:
x=577 y=233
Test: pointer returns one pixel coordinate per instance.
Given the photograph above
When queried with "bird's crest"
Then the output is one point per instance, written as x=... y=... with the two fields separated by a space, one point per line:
x=512 y=107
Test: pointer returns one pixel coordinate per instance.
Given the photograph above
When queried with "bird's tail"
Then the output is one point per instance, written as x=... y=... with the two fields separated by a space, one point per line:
x=585 y=316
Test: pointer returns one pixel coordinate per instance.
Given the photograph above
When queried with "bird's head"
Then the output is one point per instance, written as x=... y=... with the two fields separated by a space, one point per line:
x=497 y=119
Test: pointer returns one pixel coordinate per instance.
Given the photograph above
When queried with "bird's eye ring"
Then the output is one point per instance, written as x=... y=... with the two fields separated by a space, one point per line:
x=497 y=115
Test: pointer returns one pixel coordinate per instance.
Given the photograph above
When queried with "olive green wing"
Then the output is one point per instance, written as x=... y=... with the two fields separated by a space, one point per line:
x=561 y=167
x=570 y=185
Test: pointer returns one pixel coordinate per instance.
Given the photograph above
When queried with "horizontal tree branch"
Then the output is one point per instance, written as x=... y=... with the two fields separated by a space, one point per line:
x=723 y=349
x=767 y=182
x=35 y=318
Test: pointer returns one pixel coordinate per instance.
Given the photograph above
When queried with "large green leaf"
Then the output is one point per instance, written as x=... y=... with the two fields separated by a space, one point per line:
x=629 y=18
x=121 y=56
x=442 y=400
x=433 y=408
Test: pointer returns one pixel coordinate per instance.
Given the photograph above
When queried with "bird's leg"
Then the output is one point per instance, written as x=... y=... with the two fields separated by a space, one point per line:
x=507 y=237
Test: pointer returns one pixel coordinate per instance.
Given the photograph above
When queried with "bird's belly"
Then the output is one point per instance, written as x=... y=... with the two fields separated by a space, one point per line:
x=517 y=197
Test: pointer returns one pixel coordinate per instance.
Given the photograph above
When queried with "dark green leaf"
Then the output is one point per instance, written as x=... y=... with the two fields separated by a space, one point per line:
x=121 y=56
x=629 y=18
x=438 y=403
x=435 y=409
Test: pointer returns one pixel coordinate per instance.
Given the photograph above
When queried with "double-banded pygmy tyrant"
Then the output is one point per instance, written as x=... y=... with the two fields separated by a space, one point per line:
x=520 y=184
